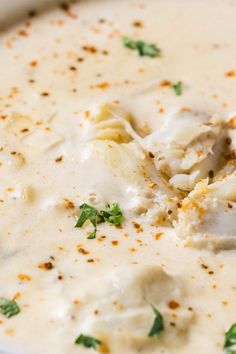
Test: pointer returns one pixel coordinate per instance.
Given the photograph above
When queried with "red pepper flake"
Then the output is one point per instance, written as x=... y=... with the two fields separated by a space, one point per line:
x=103 y=85
x=82 y=250
x=165 y=83
x=158 y=235
x=46 y=266
x=173 y=305
x=73 y=68
x=68 y=204
x=137 y=227
x=230 y=73
x=59 y=159
x=115 y=243
x=90 y=49
x=33 y=63
x=204 y=266
x=23 y=33
x=138 y=24
x=24 y=277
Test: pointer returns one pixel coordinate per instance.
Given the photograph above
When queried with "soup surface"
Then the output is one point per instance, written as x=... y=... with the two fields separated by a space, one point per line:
x=126 y=107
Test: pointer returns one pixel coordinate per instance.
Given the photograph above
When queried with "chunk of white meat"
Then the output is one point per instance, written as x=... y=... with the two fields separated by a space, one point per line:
x=124 y=171
x=207 y=217
x=187 y=147
x=112 y=122
x=120 y=310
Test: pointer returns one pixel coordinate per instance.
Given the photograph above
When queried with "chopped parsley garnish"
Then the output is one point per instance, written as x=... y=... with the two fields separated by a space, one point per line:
x=143 y=48
x=158 y=324
x=88 y=212
x=178 y=88
x=87 y=341
x=112 y=214
x=230 y=340
x=8 y=308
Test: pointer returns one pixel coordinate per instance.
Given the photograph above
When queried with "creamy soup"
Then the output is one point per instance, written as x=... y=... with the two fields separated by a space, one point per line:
x=118 y=117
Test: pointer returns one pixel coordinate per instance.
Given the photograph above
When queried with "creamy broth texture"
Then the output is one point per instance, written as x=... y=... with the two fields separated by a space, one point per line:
x=84 y=119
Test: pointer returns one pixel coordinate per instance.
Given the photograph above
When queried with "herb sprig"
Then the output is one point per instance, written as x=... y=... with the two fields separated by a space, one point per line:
x=230 y=340
x=158 y=324
x=87 y=341
x=112 y=214
x=143 y=48
x=8 y=308
x=178 y=88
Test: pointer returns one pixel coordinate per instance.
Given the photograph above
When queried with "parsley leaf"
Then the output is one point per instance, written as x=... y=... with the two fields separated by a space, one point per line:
x=88 y=213
x=230 y=340
x=91 y=214
x=143 y=48
x=158 y=324
x=88 y=342
x=112 y=214
x=178 y=88
x=8 y=308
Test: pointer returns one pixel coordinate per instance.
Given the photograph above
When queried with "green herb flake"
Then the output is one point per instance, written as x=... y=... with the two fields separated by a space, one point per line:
x=178 y=88
x=230 y=340
x=8 y=308
x=87 y=341
x=88 y=212
x=143 y=48
x=158 y=324
x=112 y=214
